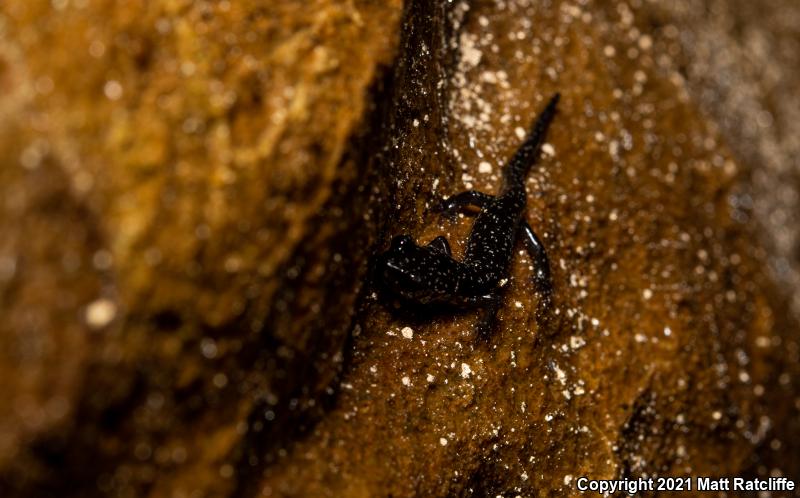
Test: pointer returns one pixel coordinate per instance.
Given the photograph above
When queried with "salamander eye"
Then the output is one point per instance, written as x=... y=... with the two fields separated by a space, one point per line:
x=401 y=242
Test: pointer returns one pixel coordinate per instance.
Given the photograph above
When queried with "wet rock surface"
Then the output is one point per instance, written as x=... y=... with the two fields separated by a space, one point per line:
x=191 y=192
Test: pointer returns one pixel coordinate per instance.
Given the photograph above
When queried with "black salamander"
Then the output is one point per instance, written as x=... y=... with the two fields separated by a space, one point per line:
x=429 y=275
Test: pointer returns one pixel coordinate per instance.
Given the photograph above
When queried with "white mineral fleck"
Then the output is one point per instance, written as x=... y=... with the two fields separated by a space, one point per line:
x=560 y=375
x=100 y=312
x=112 y=90
x=576 y=342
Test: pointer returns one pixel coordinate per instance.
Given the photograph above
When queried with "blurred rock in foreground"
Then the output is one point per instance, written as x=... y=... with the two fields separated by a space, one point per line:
x=190 y=192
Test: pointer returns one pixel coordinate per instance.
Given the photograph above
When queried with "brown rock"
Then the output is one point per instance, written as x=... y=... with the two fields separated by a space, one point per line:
x=207 y=143
x=191 y=192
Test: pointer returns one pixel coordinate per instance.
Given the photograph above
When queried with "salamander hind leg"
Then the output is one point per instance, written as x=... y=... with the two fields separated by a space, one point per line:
x=541 y=265
x=460 y=202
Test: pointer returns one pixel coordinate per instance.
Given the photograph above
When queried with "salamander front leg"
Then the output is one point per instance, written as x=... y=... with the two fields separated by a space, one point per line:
x=459 y=202
x=541 y=265
x=440 y=245
x=487 y=318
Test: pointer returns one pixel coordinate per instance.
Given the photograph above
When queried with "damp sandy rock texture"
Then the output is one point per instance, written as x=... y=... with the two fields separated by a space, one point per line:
x=181 y=225
x=191 y=192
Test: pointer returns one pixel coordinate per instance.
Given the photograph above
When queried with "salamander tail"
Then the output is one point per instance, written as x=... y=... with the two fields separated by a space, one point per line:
x=528 y=152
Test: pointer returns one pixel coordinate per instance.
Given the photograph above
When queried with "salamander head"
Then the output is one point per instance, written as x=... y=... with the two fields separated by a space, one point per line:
x=412 y=272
